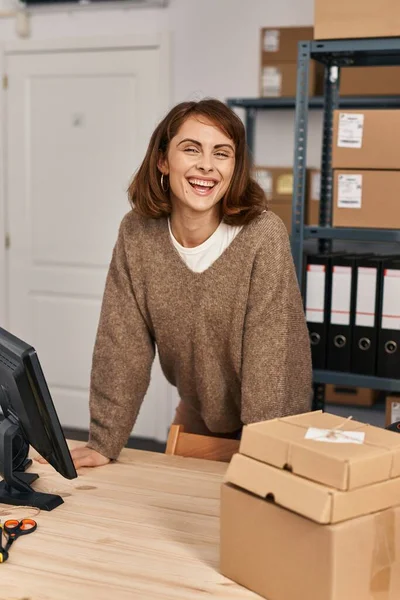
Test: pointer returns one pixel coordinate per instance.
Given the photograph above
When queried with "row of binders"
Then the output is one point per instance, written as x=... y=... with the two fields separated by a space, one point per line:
x=352 y=304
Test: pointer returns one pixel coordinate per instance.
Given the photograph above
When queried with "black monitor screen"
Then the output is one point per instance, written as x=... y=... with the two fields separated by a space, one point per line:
x=27 y=404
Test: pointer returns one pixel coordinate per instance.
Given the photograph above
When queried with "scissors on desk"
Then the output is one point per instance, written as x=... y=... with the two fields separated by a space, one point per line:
x=15 y=529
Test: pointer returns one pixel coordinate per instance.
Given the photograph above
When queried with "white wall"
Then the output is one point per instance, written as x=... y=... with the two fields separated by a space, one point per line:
x=215 y=53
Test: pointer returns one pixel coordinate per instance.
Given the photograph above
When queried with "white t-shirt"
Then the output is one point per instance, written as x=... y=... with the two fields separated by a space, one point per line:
x=201 y=257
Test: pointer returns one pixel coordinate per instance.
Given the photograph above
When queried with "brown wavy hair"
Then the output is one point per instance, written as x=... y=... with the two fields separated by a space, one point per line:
x=244 y=199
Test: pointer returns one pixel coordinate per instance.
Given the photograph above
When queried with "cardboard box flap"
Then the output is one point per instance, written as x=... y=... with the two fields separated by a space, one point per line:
x=312 y=500
x=333 y=454
x=278 y=486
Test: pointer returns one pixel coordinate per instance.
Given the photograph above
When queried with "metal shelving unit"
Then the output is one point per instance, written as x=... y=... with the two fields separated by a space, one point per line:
x=354 y=380
x=252 y=106
x=334 y=55
x=354 y=235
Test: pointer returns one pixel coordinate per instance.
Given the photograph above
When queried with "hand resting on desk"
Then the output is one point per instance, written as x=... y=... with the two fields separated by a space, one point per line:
x=84 y=457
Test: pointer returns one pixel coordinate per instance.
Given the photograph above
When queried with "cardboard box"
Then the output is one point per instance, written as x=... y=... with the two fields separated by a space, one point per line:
x=279 y=80
x=392 y=409
x=284 y=556
x=278 y=62
x=343 y=19
x=308 y=498
x=306 y=445
x=280 y=44
x=336 y=394
x=277 y=183
x=284 y=211
x=369 y=81
x=366 y=199
x=366 y=139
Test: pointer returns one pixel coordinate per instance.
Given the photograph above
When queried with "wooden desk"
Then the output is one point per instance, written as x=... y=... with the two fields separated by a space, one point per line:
x=146 y=527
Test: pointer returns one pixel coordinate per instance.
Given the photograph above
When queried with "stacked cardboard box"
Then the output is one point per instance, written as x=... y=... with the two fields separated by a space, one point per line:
x=310 y=510
x=343 y=19
x=361 y=19
x=277 y=183
x=366 y=163
x=392 y=409
x=338 y=394
x=370 y=81
x=278 y=62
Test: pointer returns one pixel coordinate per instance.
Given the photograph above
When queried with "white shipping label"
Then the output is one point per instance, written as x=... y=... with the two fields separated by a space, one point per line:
x=349 y=191
x=341 y=296
x=271 y=82
x=315 y=294
x=316 y=186
x=395 y=412
x=271 y=40
x=350 y=131
x=391 y=299
x=366 y=296
x=335 y=436
x=264 y=179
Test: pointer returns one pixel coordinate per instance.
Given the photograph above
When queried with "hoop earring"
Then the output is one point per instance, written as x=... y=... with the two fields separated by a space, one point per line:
x=162 y=184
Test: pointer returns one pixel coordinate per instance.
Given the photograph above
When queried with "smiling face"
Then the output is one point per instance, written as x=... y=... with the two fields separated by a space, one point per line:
x=200 y=163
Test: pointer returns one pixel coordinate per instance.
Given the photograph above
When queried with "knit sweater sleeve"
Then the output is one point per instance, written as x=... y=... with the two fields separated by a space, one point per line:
x=122 y=358
x=276 y=367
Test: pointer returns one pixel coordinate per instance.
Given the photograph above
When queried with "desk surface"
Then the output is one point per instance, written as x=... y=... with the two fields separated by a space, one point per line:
x=146 y=527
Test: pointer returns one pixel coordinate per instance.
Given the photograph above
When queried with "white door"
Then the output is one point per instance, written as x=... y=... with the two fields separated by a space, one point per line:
x=78 y=121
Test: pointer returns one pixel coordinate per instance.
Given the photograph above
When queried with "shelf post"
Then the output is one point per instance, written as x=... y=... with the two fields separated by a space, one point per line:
x=250 y=124
x=300 y=157
x=331 y=102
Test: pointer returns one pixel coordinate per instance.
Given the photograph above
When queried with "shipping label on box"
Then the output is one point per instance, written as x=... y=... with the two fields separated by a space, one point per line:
x=284 y=185
x=335 y=436
x=349 y=191
x=271 y=40
x=394 y=412
x=350 y=130
x=315 y=186
x=265 y=179
x=271 y=82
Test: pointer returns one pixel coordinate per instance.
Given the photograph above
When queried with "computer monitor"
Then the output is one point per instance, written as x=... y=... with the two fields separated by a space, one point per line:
x=30 y=418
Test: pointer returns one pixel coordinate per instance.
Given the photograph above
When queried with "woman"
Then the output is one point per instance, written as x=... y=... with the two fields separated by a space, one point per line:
x=204 y=272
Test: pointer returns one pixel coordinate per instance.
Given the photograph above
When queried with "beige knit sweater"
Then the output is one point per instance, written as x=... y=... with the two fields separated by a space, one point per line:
x=233 y=339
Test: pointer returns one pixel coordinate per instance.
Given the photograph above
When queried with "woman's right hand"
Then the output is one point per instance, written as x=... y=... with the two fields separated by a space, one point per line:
x=83 y=457
x=87 y=457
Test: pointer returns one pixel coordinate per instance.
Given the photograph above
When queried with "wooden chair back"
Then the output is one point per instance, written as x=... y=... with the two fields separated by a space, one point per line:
x=192 y=445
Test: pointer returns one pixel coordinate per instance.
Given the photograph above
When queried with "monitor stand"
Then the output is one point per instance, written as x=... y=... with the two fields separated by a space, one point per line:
x=16 y=487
